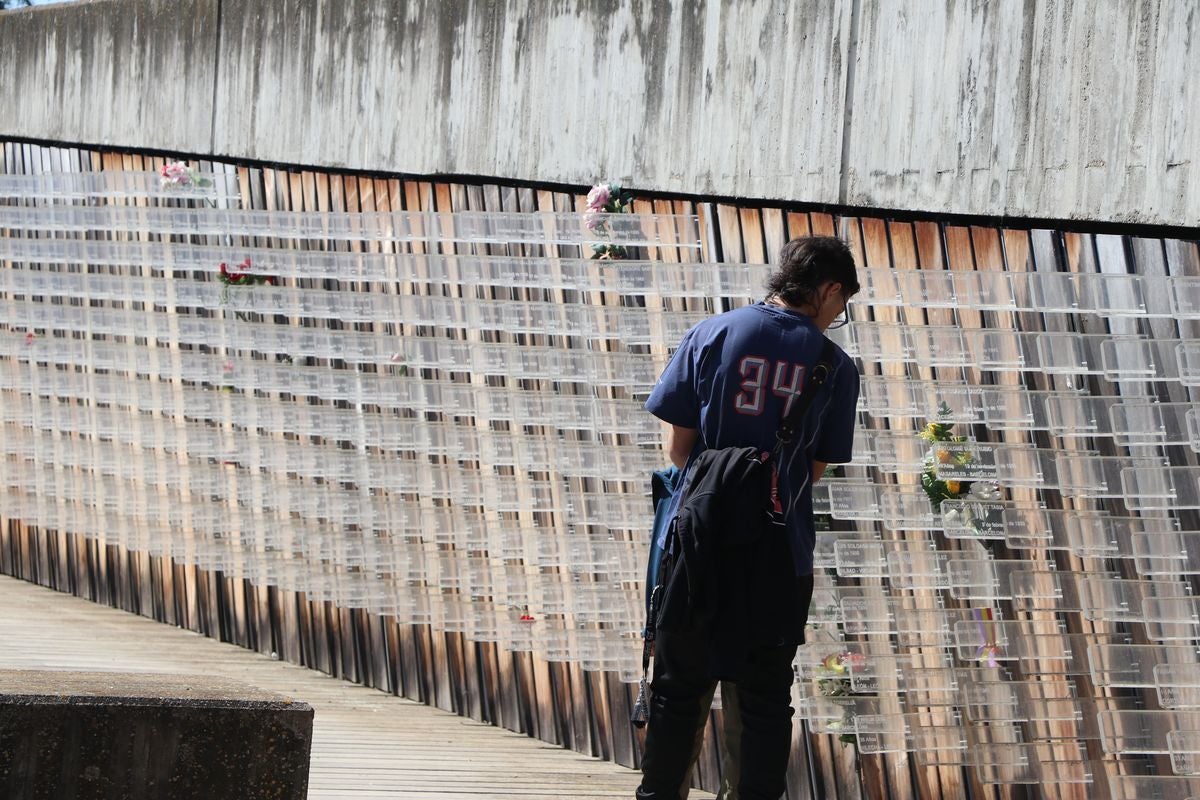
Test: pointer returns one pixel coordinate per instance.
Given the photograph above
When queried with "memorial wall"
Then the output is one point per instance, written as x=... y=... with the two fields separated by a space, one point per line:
x=391 y=429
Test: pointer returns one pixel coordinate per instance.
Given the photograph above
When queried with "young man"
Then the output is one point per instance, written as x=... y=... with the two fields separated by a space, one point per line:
x=730 y=384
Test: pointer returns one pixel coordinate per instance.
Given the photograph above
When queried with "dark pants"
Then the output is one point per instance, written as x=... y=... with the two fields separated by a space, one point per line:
x=680 y=688
x=731 y=741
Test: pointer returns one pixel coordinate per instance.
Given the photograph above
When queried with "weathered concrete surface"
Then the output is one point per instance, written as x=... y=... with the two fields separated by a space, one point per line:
x=1051 y=108
x=115 y=72
x=659 y=94
x=1043 y=108
x=84 y=735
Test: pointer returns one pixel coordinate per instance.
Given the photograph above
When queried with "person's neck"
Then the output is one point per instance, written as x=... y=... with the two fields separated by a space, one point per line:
x=776 y=300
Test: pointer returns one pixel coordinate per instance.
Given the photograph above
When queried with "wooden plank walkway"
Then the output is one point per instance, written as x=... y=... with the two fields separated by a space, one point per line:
x=366 y=744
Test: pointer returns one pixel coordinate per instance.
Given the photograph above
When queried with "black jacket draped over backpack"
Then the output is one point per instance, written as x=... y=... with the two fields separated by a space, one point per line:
x=729 y=576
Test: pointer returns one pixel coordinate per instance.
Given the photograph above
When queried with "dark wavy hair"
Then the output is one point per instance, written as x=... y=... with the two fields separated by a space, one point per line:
x=807 y=263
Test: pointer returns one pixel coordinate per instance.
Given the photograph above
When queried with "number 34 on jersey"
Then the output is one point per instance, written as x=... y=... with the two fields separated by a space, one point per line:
x=760 y=375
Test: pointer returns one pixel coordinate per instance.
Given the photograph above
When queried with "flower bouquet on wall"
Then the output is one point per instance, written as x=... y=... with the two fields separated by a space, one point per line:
x=178 y=175
x=833 y=681
x=939 y=433
x=963 y=504
x=966 y=506
x=230 y=278
x=602 y=200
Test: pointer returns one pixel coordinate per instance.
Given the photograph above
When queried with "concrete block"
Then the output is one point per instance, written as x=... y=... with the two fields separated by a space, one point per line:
x=92 y=735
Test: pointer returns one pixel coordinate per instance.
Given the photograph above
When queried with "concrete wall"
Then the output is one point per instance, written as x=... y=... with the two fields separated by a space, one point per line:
x=1046 y=108
x=122 y=73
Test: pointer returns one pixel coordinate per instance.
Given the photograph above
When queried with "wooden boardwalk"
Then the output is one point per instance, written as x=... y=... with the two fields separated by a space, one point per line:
x=366 y=744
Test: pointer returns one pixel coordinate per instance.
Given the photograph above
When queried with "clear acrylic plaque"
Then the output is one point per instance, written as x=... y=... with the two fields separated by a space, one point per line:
x=1131 y=666
x=1142 y=732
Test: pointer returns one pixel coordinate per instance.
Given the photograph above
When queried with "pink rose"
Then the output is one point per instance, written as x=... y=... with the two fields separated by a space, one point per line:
x=598 y=196
x=175 y=174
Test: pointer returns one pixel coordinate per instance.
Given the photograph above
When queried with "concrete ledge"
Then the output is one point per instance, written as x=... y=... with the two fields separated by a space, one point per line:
x=93 y=735
x=1046 y=110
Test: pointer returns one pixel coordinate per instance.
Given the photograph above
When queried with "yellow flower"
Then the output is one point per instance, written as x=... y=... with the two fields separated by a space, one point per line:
x=833 y=663
x=954 y=487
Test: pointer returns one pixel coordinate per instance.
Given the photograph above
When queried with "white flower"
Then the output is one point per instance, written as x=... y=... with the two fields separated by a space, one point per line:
x=985 y=491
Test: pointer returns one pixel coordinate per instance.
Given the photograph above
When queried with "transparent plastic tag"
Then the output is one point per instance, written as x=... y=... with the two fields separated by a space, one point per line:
x=1159 y=787
x=996 y=641
x=1112 y=598
x=1007 y=408
x=1136 y=423
x=1045 y=589
x=969 y=461
x=1187 y=355
x=1186 y=298
x=1178 y=685
x=904 y=509
x=1146 y=360
x=1042 y=700
x=1165 y=552
x=1132 y=665
x=1184 y=747
x=939 y=347
x=919 y=569
x=922 y=628
x=852 y=501
x=974 y=579
x=865 y=615
x=1089 y=475
x=884 y=342
x=1043 y=763
x=1171 y=618
x=899 y=733
x=1142 y=732
x=1161 y=488
x=897 y=452
x=859 y=558
x=972 y=519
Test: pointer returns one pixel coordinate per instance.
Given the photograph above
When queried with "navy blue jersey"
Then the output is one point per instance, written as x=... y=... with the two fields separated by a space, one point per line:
x=734 y=377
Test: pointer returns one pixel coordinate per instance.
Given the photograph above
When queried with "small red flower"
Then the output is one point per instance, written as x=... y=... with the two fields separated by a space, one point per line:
x=243 y=278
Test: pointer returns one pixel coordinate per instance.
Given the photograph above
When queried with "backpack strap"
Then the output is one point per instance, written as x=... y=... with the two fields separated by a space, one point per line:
x=816 y=379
